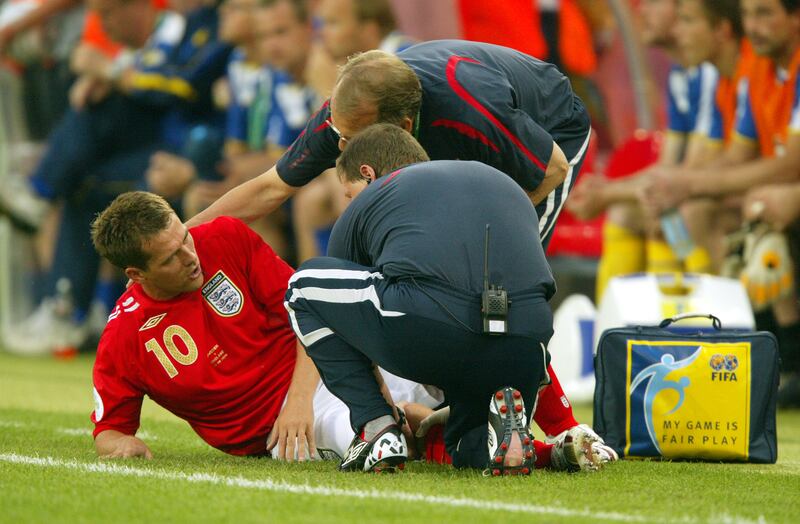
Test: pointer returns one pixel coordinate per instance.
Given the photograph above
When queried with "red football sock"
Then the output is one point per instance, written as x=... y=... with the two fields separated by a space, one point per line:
x=435 y=451
x=553 y=411
x=542 y=454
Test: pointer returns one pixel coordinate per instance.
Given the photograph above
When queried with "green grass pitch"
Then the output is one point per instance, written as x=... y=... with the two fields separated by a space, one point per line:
x=48 y=473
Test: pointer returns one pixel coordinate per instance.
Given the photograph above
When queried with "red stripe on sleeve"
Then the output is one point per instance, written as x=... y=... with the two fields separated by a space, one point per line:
x=466 y=129
x=468 y=98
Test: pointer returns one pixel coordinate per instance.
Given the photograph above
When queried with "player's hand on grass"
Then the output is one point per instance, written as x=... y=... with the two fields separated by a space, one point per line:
x=293 y=432
x=113 y=444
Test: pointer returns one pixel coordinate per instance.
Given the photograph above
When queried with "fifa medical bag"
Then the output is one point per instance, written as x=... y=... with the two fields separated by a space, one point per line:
x=687 y=393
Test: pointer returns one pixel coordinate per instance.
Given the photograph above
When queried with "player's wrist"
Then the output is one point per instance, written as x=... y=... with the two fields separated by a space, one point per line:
x=299 y=397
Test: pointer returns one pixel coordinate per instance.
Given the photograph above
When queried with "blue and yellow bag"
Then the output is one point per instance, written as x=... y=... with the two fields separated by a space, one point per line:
x=696 y=393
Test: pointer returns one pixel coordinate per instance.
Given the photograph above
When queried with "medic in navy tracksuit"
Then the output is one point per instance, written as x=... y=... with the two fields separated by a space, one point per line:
x=402 y=286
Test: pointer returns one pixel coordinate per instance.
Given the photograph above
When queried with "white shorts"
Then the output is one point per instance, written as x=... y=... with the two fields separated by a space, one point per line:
x=332 y=431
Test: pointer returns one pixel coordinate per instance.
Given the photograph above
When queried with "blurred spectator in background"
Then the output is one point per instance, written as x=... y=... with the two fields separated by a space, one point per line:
x=346 y=27
x=354 y=26
x=129 y=108
x=711 y=30
x=36 y=39
x=632 y=242
x=19 y=17
x=268 y=107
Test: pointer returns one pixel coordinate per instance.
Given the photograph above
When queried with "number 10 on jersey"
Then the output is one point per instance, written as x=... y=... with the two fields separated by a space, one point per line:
x=184 y=359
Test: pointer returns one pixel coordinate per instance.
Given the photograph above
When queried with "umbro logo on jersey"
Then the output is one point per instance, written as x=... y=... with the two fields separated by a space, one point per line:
x=223 y=295
x=152 y=322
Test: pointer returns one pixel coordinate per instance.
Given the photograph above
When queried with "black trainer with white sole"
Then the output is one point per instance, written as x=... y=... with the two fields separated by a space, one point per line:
x=510 y=442
x=387 y=451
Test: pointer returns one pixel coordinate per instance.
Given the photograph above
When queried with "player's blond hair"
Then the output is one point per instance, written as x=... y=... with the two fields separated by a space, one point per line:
x=380 y=81
x=120 y=231
x=384 y=147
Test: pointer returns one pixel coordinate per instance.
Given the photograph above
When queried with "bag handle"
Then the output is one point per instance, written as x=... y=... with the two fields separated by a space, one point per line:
x=714 y=320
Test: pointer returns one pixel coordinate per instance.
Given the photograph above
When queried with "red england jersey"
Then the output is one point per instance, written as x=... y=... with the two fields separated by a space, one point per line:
x=221 y=357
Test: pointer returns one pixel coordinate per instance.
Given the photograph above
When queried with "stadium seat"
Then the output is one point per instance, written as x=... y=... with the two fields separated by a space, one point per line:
x=638 y=152
x=577 y=238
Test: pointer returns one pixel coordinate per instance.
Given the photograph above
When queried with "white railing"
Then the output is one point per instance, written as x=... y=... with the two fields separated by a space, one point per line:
x=16 y=249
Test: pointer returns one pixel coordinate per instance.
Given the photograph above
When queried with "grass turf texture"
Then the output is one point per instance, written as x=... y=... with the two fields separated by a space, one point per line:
x=48 y=472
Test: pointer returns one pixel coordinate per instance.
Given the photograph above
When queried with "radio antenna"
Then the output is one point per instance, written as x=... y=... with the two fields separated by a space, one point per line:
x=486 y=259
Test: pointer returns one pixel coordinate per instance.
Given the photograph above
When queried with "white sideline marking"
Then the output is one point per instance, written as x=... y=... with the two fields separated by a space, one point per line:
x=87 y=432
x=305 y=489
x=83 y=432
x=80 y=432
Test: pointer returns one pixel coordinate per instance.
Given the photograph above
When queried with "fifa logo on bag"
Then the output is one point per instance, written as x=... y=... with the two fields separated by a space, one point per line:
x=723 y=368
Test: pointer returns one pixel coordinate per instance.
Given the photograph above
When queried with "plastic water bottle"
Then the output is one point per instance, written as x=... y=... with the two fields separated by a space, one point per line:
x=64 y=310
x=676 y=234
x=63 y=299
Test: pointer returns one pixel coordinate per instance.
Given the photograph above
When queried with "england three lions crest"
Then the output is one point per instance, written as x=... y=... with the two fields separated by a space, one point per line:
x=223 y=295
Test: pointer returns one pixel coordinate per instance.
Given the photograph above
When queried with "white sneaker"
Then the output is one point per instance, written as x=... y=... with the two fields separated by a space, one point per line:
x=21 y=204
x=580 y=449
x=44 y=331
x=30 y=337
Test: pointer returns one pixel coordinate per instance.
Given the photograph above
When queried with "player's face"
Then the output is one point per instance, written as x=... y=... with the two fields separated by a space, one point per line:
x=174 y=267
x=768 y=26
x=694 y=34
x=283 y=40
x=340 y=28
x=236 y=21
x=657 y=22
